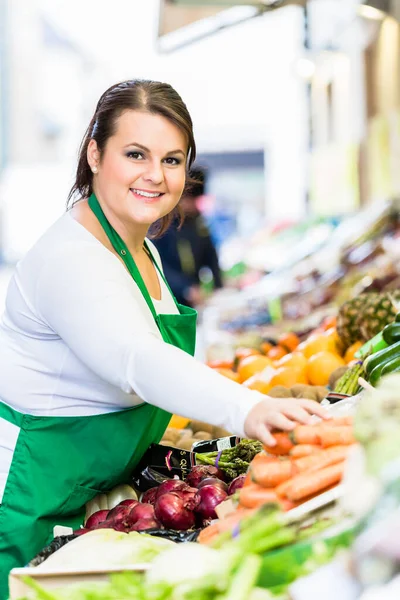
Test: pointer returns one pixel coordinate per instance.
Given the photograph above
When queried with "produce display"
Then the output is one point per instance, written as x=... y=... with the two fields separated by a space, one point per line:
x=209 y=516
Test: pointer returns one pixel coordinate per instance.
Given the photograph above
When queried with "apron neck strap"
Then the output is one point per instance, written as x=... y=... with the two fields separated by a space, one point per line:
x=122 y=249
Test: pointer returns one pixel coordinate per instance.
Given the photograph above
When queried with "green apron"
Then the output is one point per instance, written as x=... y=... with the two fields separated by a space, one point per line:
x=60 y=463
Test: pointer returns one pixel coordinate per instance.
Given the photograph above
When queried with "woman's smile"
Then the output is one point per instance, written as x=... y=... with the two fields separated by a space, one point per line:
x=146 y=195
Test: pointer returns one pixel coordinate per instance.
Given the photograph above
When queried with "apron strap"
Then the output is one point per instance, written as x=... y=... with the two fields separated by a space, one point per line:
x=121 y=248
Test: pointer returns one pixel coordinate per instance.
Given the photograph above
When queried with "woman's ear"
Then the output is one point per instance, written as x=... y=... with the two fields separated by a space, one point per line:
x=93 y=156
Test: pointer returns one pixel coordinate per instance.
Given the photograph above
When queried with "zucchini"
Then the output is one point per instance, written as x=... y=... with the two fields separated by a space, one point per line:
x=397 y=318
x=391 y=333
x=376 y=374
x=391 y=366
x=381 y=357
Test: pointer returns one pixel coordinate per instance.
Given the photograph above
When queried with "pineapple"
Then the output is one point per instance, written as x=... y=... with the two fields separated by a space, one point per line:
x=349 y=312
x=366 y=315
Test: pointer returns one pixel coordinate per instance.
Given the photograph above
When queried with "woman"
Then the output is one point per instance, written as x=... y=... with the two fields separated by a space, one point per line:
x=95 y=354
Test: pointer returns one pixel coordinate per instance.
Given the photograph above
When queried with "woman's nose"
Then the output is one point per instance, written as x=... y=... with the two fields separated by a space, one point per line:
x=154 y=173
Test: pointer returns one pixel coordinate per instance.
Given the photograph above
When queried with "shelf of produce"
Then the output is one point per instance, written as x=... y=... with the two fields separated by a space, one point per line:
x=283 y=566
x=51 y=579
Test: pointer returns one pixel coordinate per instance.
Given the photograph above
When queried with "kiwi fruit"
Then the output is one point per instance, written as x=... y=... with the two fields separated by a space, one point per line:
x=279 y=391
x=322 y=392
x=298 y=389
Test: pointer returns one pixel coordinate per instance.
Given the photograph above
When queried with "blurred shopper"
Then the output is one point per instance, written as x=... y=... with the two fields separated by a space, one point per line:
x=95 y=352
x=186 y=250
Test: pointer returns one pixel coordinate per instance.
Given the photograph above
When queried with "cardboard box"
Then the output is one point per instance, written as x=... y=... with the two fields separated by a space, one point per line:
x=52 y=579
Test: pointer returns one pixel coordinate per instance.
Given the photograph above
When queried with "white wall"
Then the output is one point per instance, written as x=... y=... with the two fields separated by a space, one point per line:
x=240 y=87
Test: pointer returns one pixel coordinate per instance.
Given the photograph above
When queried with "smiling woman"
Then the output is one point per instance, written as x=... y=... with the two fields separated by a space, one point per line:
x=95 y=352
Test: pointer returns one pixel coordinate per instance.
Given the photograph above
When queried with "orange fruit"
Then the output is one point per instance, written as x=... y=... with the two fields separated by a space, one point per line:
x=276 y=353
x=351 y=351
x=220 y=364
x=250 y=365
x=266 y=347
x=335 y=343
x=257 y=383
x=315 y=343
x=243 y=352
x=288 y=341
x=288 y=376
x=321 y=365
x=229 y=373
x=294 y=359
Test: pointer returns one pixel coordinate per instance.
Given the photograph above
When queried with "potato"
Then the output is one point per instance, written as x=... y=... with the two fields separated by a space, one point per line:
x=336 y=375
x=172 y=434
x=298 y=389
x=279 y=391
x=220 y=432
x=322 y=392
x=201 y=426
x=186 y=443
x=168 y=443
x=202 y=435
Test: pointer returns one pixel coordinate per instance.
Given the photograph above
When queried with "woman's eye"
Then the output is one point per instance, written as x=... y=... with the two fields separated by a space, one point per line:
x=172 y=161
x=135 y=155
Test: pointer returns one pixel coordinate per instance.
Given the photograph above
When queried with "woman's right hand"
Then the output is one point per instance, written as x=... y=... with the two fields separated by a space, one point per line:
x=282 y=414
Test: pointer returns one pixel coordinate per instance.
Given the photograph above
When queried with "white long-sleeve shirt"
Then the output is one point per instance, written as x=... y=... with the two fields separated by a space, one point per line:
x=77 y=338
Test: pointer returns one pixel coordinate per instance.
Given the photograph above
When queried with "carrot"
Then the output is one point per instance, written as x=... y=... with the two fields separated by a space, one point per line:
x=283 y=444
x=211 y=531
x=254 y=496
x=280 y=490
x=208 y=534
x=329 y=456
x=338 y=421
x=336 y=436
x=305 y=434
x=247 y=479
x=304 y=450
x=306 y=484
x=271 y=474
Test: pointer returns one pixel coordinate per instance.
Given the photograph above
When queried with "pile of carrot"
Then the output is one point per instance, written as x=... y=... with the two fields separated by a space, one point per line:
x=302 y=464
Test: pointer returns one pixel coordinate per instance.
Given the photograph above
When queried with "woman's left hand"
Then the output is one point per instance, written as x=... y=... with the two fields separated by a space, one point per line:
x=280 y=413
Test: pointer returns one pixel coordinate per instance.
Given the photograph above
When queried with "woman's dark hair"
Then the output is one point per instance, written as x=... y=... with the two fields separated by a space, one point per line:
x=136 y=94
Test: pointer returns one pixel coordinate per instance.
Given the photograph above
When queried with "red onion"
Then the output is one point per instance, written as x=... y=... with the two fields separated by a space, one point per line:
x=106 y=525
x=236 y=484
x=81 y=531
x=96 y=518
x=213 y=481
x=121 y=526
x=170 y=485
x=210 y=496
x=118 y=513
x=172 y=512
x=200 y=472
x=141 y=511
x=149 y=497
x=144 y=524
x=129 y=502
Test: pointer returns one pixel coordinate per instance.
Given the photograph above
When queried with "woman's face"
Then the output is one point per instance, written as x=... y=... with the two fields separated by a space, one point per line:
x=141 y=174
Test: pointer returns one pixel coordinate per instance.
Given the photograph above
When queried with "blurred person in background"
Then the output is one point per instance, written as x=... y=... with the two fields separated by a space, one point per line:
x=188 y=249
x=95 y=351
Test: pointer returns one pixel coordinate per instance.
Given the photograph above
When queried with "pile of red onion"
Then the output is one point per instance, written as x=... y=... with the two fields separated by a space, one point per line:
x=174 y=504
